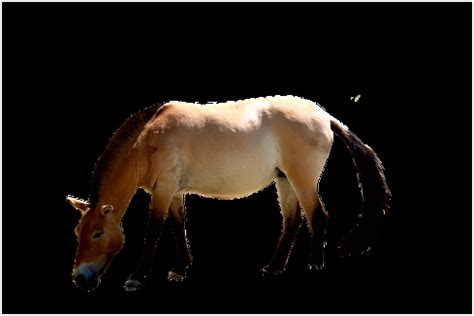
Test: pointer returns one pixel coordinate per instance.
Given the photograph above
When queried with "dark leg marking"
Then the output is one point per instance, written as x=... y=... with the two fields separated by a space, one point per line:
x=291 y=214
x=285 y=244
x=153 y=231
x=183 y=257
x=317 y=224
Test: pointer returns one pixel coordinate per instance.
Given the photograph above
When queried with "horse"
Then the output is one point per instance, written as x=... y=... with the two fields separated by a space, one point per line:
x=223 y=151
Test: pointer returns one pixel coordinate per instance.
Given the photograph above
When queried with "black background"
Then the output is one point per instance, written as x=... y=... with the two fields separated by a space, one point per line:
x=74 y=72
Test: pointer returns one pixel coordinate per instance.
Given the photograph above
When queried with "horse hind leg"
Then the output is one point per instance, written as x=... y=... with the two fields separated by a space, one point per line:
x=317 y=222
x=291 y=223
x=316 y=218
x=304 y=175
x=183 y=256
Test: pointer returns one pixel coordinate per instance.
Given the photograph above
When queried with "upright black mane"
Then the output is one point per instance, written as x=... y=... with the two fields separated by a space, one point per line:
x=128 y=130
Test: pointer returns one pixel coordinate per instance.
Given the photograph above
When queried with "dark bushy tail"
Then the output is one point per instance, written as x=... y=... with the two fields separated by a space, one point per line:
x=374 y=190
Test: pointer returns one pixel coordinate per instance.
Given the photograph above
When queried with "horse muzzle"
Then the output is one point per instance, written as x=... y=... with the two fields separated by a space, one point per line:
x=86 y=276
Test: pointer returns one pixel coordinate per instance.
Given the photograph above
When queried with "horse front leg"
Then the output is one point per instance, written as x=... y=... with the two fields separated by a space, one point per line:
x=183 y=256
x=153 y=231
x=160 y=204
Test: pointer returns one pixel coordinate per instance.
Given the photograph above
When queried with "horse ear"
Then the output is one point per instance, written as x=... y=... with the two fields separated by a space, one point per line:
x=106 y=209
x=79 y=205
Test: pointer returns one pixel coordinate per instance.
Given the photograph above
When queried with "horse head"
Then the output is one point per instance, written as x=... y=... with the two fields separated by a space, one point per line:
x=100 y=237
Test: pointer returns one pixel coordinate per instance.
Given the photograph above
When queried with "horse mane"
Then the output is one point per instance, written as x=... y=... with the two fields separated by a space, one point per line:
x=126 y=132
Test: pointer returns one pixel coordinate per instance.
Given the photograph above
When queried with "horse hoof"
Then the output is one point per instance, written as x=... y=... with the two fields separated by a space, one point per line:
x=267 y=271
x=175 y=277
x=316 y=267
x=133 y=285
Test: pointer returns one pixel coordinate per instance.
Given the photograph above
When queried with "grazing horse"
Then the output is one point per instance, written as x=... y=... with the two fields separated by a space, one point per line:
x=225 y=151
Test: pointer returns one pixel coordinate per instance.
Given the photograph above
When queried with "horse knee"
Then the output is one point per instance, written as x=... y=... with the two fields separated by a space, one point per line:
x=158 y=216
x=293 y=221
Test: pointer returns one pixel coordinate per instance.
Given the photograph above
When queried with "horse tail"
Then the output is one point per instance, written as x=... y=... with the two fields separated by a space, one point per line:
x=374 y=191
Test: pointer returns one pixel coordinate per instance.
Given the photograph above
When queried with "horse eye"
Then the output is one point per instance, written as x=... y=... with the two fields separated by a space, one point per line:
x=97 y=235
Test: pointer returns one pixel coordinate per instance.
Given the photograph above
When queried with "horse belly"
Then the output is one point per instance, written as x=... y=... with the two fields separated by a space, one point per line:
x=237 y=168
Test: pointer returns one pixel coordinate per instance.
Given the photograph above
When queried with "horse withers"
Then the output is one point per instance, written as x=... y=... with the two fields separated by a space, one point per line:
x=225 y=151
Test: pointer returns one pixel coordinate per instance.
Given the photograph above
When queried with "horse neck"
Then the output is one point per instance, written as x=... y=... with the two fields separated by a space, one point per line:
x=120 y=185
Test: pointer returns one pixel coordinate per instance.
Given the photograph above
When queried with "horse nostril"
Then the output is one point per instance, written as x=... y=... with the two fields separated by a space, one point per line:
x=84 y=283
x=80 y=280
x=86 y=276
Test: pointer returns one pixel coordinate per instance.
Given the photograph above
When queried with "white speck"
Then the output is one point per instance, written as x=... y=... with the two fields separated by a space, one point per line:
x=356 y=98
